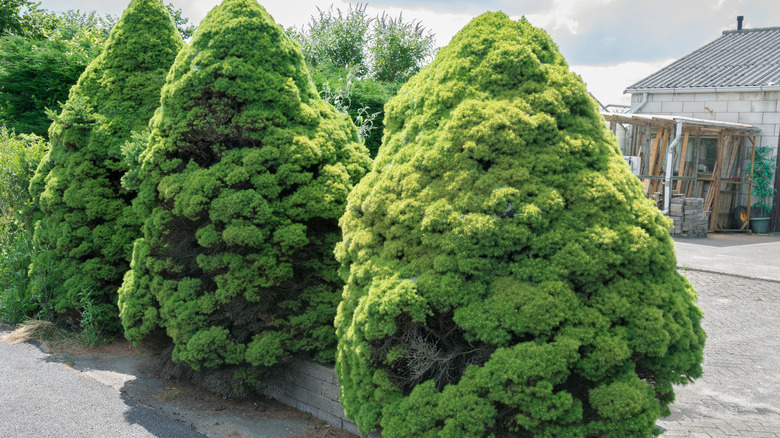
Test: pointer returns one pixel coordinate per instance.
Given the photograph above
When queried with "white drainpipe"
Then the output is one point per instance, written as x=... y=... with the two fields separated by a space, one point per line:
x=640 y=105
x=670 y=168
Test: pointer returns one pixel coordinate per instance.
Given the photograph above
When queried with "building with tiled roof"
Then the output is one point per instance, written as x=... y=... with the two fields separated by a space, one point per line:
x=733 y=79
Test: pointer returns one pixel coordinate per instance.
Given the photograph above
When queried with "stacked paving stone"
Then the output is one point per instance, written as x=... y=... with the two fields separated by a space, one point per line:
x=689 y=219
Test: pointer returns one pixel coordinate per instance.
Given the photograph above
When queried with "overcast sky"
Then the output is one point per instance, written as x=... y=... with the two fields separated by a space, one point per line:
x=610 y=43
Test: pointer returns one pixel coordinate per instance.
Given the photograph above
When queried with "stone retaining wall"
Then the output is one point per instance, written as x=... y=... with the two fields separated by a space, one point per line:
x=310 y=387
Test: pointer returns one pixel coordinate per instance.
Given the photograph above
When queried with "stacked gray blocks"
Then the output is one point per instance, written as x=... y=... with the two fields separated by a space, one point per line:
x=310 y=387
x=688 y=217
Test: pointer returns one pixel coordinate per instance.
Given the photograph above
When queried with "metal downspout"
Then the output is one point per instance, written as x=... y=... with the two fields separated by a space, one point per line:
x=645 y=97
x=670 y=168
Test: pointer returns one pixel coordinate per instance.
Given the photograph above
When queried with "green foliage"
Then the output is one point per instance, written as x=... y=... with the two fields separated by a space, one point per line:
x=241 y=186
x=90 y=320
x=35 y=75
x=336 y=38
x=37 y=72
x=362 y=98
x=764 y=168
x=186 y=30
x=505 y=274
x=87 y=226
x=384 y=48
x=19 y=156
x=25 y=18
x=399 y=49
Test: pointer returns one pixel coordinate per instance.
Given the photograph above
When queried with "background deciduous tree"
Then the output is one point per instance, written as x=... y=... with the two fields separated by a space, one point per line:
x=358 y=62
x=42 y=56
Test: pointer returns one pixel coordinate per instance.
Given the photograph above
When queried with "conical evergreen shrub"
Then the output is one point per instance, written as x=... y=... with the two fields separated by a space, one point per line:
x=505 y=274
x=87 y=228
x=246 y=174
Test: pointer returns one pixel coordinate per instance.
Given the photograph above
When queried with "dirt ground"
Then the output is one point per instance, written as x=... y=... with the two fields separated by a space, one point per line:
x=131 y=373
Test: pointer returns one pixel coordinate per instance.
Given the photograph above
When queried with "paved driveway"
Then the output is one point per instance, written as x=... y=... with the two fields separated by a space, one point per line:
x=739 y=393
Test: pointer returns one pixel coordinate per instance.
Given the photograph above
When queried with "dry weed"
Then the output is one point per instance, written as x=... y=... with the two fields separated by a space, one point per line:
x=32 y=329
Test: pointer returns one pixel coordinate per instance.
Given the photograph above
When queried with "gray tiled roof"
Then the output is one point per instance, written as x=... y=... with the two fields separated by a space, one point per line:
x=739 y=58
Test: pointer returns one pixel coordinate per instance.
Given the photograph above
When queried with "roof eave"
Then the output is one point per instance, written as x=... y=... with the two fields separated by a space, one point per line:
x=762 y=88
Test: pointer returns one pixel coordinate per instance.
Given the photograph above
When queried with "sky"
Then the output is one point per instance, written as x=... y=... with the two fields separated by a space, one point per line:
x=611 y=44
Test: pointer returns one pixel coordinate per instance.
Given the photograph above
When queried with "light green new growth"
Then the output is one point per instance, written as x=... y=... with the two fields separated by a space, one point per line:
x=241 y=187
x=86 y=228
x=505 y=274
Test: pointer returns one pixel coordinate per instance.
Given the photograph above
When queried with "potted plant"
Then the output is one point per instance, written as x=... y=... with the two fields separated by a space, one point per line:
x=763 y=191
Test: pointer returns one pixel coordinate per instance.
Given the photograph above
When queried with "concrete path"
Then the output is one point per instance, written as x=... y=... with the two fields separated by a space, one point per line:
x=42 y=397
x=747 y=255
x=739 y=394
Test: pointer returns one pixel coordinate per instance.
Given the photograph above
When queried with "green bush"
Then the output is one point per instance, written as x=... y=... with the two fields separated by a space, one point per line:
x=505 y=274
x=19 y=156
x=87 y=225
x=246 y=174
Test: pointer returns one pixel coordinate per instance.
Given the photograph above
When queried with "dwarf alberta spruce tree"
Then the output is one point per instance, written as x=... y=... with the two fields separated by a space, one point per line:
x=87 y=227
x=241 y=186
x=505 y=275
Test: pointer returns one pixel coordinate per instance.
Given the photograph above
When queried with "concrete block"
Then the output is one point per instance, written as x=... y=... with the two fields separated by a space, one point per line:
x=764 y=106
x=672 y=107
x=728 y=117
x=716 y=107
x=652 y=108
x=325 y=404
x=739 y=106
x=329 y=390
x=662 y=97
x=728 y=97
x=298 y=393
x=771 y=118
x=312 y=384
x=705 y=97
x=692 y=107
x=752 y=95
x=322 y=372
x=350 y=427
x=750 y=118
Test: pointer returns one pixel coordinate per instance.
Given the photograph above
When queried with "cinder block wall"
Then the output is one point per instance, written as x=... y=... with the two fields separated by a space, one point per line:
x=310 y=387
x=760 y=109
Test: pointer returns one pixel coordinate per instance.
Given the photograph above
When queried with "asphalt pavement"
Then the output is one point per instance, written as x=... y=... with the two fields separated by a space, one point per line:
x=42 y=397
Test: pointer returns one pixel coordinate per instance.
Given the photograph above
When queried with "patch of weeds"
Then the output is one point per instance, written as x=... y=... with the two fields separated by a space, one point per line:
x=91 y=334
x=35 y=329
x=169 y=394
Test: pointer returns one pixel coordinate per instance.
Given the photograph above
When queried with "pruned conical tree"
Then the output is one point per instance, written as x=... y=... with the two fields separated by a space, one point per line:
x=87 y=228
x=246 y=174
x=505 y=274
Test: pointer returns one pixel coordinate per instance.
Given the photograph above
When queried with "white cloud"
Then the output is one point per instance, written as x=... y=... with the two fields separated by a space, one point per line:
x=608 y=82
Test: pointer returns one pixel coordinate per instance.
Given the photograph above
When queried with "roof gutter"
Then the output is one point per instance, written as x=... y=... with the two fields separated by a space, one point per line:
x=670 y=168
x=760 y=88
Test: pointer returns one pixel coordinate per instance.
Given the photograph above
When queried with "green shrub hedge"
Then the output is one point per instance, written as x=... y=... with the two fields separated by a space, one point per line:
x=505 y=274
x=87 y=227
x=241 y=187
